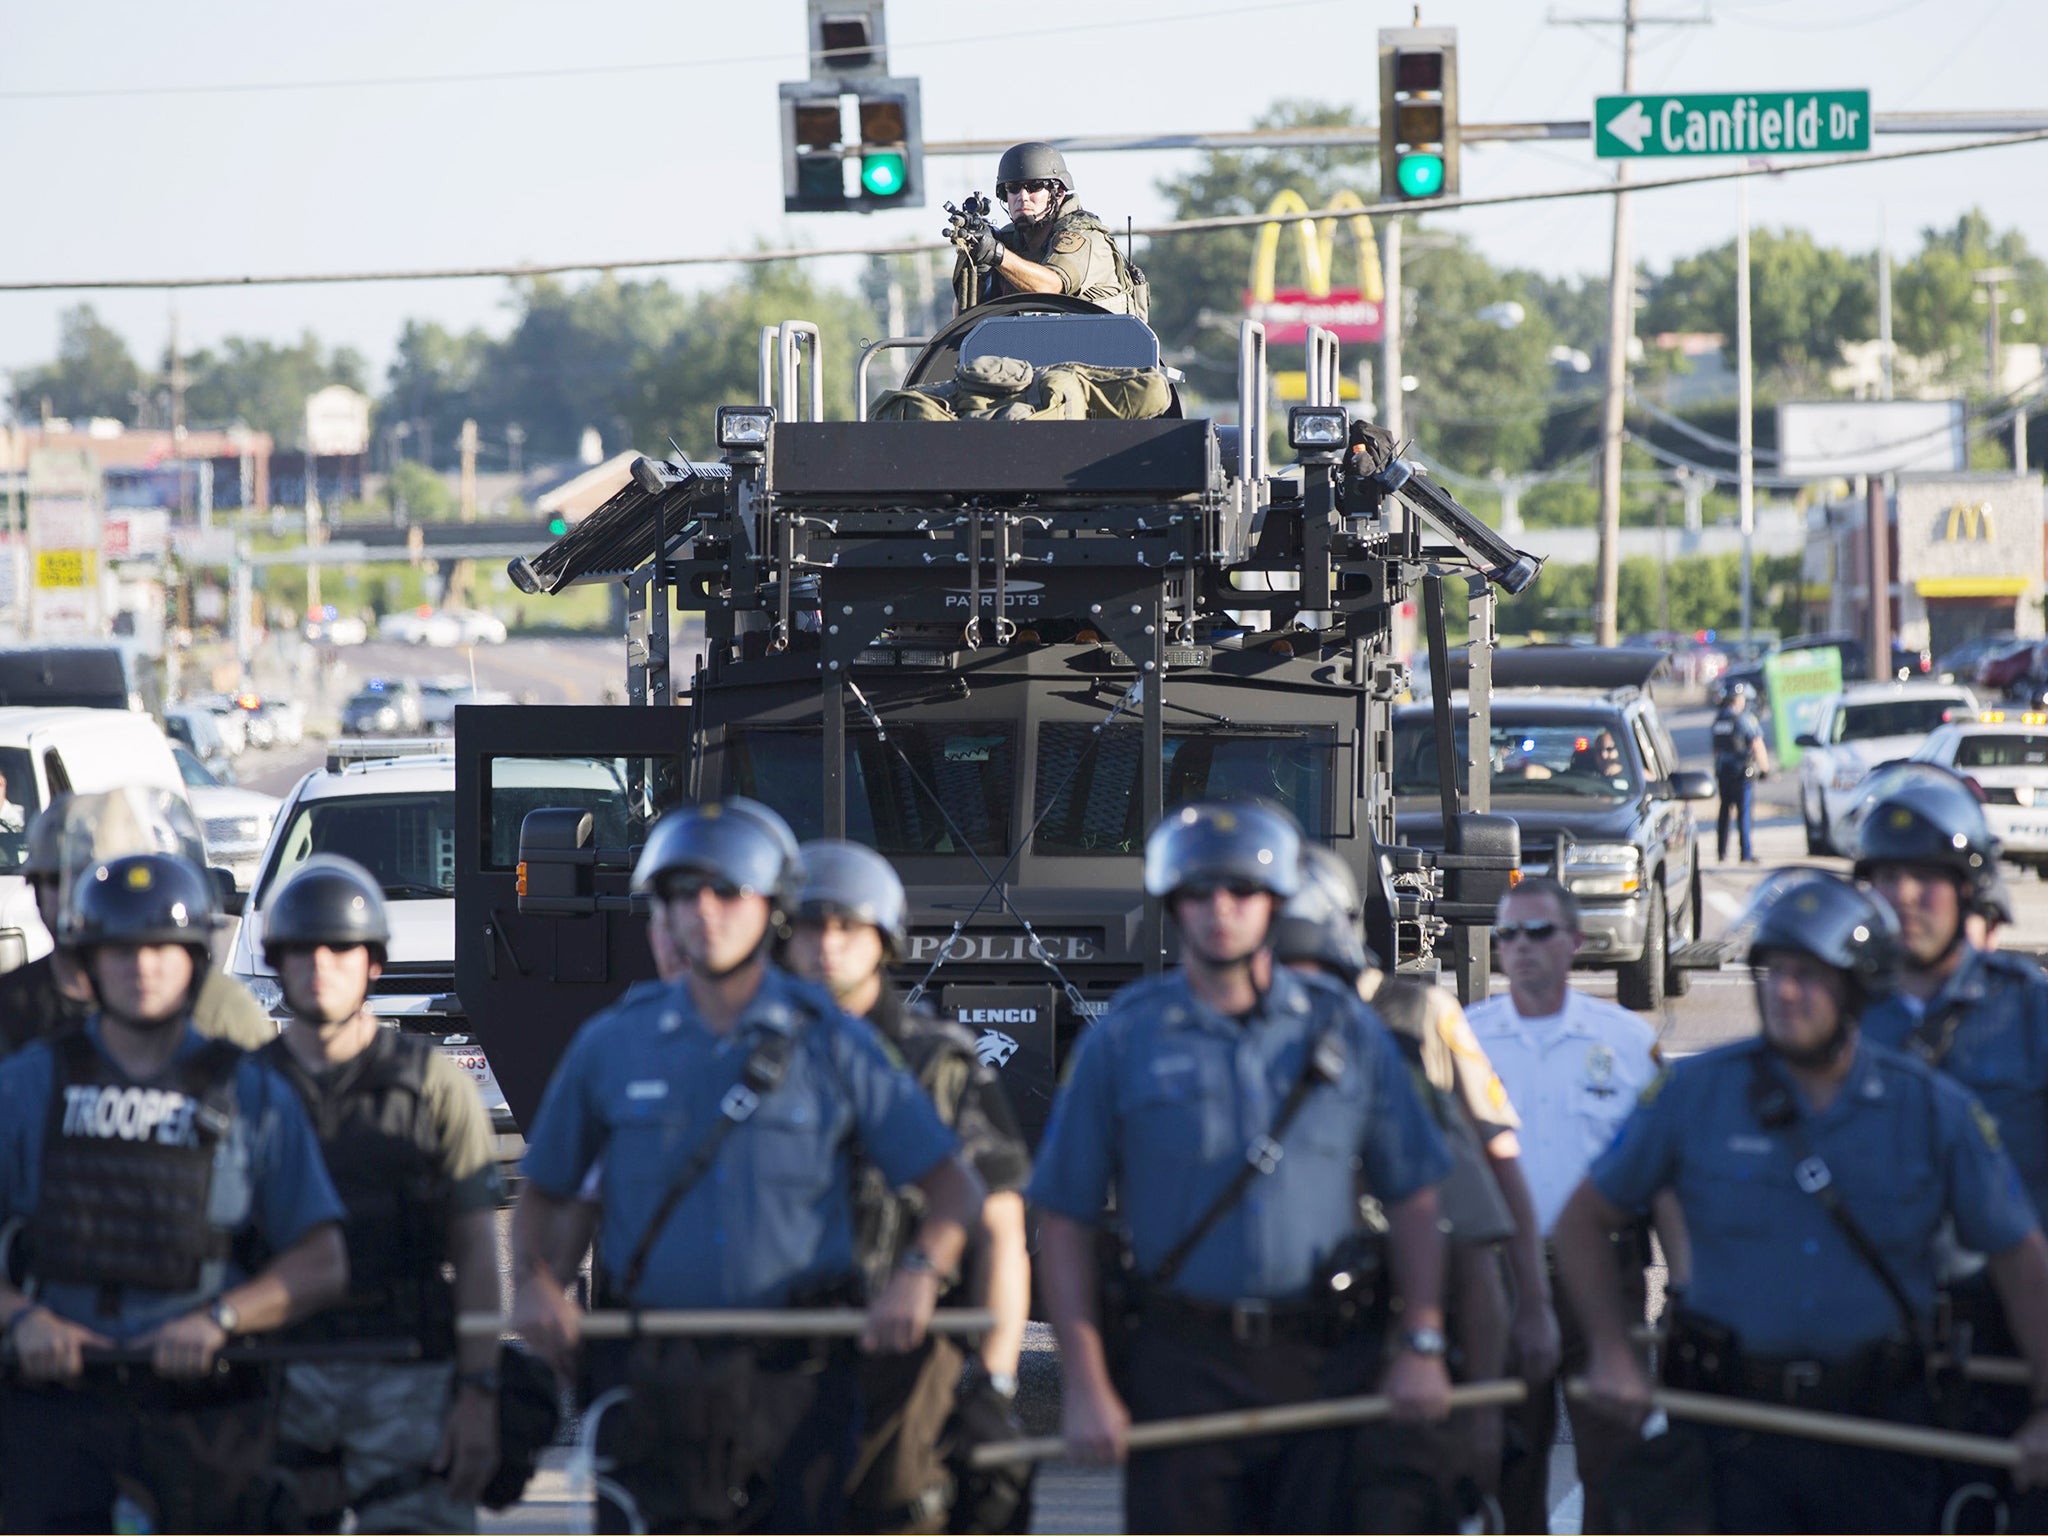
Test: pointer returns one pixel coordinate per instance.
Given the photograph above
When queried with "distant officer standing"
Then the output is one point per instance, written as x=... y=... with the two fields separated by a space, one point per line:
x=1979 y=1016
x=1740 y=759
x=1229 y=1063
x=1051 y=244
x=407 y=1446
x=848 y=922
x=726 y=1109
x=1573 y=1065
x=1818 y=1173
x=140 y=1167
x=52 y=994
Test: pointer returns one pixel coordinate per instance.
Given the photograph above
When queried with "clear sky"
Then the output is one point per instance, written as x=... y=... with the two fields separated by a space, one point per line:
x=191 y=161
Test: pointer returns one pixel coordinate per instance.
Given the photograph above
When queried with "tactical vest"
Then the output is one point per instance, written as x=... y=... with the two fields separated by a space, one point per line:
x=1136 y=286
x=1731 y=752
x=941 y=1059
x=128 y=1172
x=383 y=1152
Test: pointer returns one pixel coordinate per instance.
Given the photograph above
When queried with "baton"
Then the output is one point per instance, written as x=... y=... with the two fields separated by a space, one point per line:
x=712 y=1322
x=1993 y=1370
x=1288 y=1418
x=250 y=1352
x=1812 y=1424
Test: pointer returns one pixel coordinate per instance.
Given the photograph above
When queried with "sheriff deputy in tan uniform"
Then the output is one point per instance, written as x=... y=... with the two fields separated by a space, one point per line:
x=1051 y=244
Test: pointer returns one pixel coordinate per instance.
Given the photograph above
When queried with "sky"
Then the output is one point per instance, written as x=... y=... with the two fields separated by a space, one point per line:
x=244 y=136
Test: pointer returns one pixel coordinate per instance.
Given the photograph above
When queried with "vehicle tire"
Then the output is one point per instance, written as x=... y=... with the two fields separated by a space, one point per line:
x=1678 y=981
x=1639 y=984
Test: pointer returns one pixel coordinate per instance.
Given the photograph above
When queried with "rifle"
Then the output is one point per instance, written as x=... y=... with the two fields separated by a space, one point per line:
x=967 y=222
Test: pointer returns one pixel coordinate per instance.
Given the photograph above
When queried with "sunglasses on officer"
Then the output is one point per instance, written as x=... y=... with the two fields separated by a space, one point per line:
x=1203 y=890
x=688 y=887
x=1010 y=189
x=1535 y=933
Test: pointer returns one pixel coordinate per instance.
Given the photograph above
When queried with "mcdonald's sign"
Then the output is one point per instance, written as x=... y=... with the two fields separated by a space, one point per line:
x=1965 y=522
x=1353 y=314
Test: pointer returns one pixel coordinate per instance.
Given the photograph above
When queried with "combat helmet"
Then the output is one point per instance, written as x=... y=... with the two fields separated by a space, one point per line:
x=850 y=880
x=331 y=901
x=1224 y=842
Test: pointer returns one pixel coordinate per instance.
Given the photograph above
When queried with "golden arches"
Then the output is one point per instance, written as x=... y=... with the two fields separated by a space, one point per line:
x=1318 y=248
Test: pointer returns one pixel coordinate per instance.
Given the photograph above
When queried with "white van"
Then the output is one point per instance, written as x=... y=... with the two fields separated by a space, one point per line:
x=49 y=751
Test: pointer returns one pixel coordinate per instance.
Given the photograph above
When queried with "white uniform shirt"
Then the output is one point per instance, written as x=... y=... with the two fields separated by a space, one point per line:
x=1573 y=1077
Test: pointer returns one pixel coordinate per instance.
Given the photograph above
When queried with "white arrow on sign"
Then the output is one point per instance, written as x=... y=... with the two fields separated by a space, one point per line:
x=1631 y=125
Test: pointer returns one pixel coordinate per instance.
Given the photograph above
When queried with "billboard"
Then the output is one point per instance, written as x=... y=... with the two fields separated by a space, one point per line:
x=1821 y=439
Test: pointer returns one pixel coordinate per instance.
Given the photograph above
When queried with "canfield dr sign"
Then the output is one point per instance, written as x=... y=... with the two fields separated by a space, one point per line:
x=1763 y=123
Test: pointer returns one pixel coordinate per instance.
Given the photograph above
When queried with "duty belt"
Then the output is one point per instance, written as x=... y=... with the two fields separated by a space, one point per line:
x=1249 y=1320
x=1865 y=1382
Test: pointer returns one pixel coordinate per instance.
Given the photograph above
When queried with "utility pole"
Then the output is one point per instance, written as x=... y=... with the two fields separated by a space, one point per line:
x=1745 y=413
x=456 y=593
x=1390 y=322
x=1993 y=281
x=1621 y=308
x=1884 y=312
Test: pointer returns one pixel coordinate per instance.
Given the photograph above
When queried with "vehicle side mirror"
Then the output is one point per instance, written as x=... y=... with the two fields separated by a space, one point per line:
x=1691 y=784
x=1806 y=739
x=557 y=864
x=1484 y=854
x=231 y=900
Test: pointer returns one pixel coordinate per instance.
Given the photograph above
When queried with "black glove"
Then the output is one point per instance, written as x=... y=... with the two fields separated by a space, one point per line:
x=996 y=1499
x=982 y=247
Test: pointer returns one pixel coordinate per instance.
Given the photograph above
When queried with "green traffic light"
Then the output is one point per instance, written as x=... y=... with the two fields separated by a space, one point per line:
x=1420 y=175
x=557 y=526
x=882 y=173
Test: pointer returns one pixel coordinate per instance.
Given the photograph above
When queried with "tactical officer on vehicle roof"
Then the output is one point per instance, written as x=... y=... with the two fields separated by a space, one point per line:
x=407 y=1446
x=1051 y=244
x=1484 y=1206
x=1818 y=1173
x=848 y=923
x=726 y=1109
x=1230 y=1107
x=1979 y=1016
x=142 y=1169
x=51 y=994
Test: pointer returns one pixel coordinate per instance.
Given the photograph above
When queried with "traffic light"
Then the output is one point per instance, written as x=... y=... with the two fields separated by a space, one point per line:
x=557 y=526
x=1418 y=113
x=851 y=149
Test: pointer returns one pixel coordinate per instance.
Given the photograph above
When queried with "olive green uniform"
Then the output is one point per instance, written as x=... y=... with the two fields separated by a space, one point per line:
x=1079 y=247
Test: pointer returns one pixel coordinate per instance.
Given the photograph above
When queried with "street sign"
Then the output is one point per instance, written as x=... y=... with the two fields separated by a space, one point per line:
x=1762 y=123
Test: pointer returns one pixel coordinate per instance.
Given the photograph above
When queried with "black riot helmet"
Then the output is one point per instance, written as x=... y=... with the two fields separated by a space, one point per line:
x=848 y=880
x=1921 y=813
x=736 y=841
x=331 y=901
x=1223 y=842
x=1995 y=905
x=144 y=898
x=1321 y=921
x=1034 y=160
x=1837 y=922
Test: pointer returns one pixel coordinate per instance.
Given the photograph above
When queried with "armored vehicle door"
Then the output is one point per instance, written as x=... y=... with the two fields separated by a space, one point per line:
x=528 y=981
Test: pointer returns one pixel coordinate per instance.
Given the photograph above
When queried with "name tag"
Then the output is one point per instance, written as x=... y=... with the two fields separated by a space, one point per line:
x=653 y=1088
x=1755 y=1144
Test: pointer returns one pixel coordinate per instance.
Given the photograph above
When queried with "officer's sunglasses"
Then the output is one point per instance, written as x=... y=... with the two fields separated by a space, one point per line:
x=688 y=887
x=1202 y=890
x=1038 y=184
x=1535 y=933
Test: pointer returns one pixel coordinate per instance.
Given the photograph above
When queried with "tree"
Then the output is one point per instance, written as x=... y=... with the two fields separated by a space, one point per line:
x=435 y=383
x=424 y=494
x=1483 y=377
x=1805 y=301
x=265 y=384
x=94 y=374
x=1936 y=308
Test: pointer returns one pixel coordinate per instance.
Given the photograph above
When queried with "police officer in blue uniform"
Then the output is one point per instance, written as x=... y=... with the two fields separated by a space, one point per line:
x=1187 y=1079
x=726 y=1109
x=1817 y=1171
x=1739 y=760
x=1979 y=1016
x=143 y=1171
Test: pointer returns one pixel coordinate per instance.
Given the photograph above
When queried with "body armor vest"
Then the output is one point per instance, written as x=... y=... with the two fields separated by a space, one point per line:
x=383 y=1152
x=128 y=1172
x=940 y=1057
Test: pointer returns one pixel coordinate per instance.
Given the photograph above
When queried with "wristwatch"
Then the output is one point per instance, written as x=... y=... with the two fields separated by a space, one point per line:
x=1424 y=1341
x=917 y=1262
x=224 y=1316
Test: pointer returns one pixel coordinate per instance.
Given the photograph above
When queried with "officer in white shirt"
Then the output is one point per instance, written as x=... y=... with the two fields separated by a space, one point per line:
x=1573 y=1066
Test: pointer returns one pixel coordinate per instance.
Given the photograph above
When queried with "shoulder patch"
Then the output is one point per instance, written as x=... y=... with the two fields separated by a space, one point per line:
x=1654 y=1087
x=1986 y=1126
x=1068 y=242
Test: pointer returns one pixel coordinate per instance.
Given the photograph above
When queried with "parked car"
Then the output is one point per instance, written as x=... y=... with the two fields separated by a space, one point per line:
x=1592 y=777
x=1999 y=670
x=335 y=628
x=1858 y=729
x=198 y=730
x=420 y=626
x=1959 y=664
x=384 y=707
x=396 y=817
x=2004 y=755
x=235 y=821
x=478 y=628
x=440 y=696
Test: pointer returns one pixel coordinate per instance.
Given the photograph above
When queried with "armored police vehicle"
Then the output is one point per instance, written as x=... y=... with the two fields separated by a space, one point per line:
x=995 y=650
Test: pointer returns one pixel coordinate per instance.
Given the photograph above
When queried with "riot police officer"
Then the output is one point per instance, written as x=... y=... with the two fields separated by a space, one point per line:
x=1051 y=244
x=1233 y=1062
x=1980 y=1016
x=1485 y=1206
x=1817 y=1171
x=49 y=994
x=1740 y=760
x=848 y=922
x=407 y=1446
x=725 y=1109
x=142 y=1166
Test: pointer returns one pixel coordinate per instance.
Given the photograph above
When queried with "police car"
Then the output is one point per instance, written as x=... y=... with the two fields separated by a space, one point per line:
x=1858 y=729
x=390 y=806
x=2004 y=756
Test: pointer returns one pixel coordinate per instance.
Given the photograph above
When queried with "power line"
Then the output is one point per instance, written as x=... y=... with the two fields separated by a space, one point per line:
x=911 y=247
